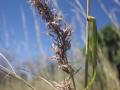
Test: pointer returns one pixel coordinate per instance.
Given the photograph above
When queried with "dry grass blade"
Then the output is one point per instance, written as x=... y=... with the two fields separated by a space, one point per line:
x=7 y=62
x=49 y=83
x=6 y=71
x=40 y=77
x=110 y=14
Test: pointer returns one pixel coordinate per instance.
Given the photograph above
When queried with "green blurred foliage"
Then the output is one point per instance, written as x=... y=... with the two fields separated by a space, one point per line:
x=109 y=42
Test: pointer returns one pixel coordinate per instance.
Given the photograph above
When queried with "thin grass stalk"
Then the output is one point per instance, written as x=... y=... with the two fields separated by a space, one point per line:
x=6 y=35
x=7 y=61
x=93 y=47
x=87 y=46
x=39 y=40
x=11 y=74
x=86 y=56
x=41 y=77
x=80 y=18
x=109 y=14
x=26 y=34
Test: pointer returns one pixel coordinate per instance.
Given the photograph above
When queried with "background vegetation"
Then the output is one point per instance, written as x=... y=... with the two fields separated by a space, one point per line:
x=37 y=69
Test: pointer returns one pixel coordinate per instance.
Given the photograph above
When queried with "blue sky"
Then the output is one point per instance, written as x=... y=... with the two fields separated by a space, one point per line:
x=12 y=36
